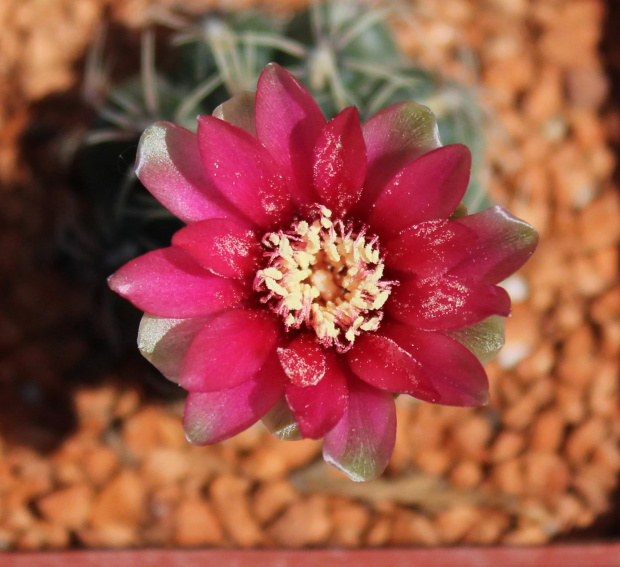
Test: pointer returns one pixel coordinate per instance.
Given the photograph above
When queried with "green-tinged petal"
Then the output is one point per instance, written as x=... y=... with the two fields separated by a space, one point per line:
x=484 y=339
x=164 y=342
x=281 y=423
x=394 y=137
x=211 y=417
x=504 y=244
x=362 y=442
x=238 y=111
x=169 y=166
x=461 y=211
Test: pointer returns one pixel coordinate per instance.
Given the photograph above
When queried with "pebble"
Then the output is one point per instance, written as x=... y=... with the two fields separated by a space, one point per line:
x=568 y=510
x=454 y=524
x=537 y=365
x=584 y=439
x=165 y=466
x=470 y=439
x=100 y=463
x=611 y=338
x=140 y=432
x=597 y=224
x=592 y=483
x=570 y=400
x=379 y=532
x=546 y=475
x=197 y=525
x=68 y=507
x=527 y=536
x=94 y=407
x=607 y=306
x=118 y=536
x=508 y=477
x=587 y=87
x=271 y=498
x=43 y=535
x=488 y=529
x=229 y=496
x=466 y=474
x=412 y=528
x=350 y=521
x=547 y=432
x=522 y=412
x=274 y=458
x=119 y=505
x=434 y=461
x=508 y=445
x=305 y=522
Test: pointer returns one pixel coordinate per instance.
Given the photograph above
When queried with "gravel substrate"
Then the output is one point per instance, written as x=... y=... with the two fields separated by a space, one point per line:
x=101 y=464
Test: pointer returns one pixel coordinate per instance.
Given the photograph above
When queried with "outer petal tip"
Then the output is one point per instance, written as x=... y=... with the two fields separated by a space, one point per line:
x=169 y=283
x=243 y=171
x=239 y=111
x=484 y=339
x=150 y=141
x=340 y=162
x=288 y=123
x=164 y=342
x=169 y=166
x=281 y=423
x=483 y=398
x=428 y=188
x=229 y=350
x=318 y=407
x=361 y=444
x=504 y=244
x=395 y=136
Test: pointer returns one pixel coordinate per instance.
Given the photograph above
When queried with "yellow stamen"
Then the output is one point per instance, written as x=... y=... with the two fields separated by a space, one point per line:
x=324 y=276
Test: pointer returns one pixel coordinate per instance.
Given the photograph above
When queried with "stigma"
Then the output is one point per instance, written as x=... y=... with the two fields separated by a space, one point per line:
x=326 y=277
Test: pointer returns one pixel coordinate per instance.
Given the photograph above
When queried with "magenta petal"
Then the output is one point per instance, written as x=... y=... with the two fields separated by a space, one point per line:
x=340 y=162
x=164 y=342
x=215 y=416
x=243 y=171
x=430 y=248
x=288 y=123
x=225 y=247
x=446 y=302
x=448 y=366
x=394 y=137
x=169 y=166
x=229 y=350
x=504 y=245
x=381 y=363
x=318 y=408
x=428 y=188
x=361 y=444
x=170 y=283
x=303 y=361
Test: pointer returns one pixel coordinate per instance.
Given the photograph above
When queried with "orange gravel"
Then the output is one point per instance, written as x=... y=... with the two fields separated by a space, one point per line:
x=103 y=465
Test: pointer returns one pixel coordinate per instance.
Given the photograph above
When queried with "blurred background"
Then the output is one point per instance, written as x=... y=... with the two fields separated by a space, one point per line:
x=92 y=451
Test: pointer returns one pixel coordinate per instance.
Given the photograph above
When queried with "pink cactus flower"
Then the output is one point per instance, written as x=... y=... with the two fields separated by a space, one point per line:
x=326 y=267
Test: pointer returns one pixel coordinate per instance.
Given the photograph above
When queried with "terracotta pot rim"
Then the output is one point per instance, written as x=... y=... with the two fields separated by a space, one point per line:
x=599 y=554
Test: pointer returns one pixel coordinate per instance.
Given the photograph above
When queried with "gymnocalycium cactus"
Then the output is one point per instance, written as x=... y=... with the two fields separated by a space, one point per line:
x=343 y=52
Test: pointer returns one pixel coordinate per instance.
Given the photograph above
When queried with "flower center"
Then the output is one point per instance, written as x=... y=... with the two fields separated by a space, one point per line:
x=325 y=276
